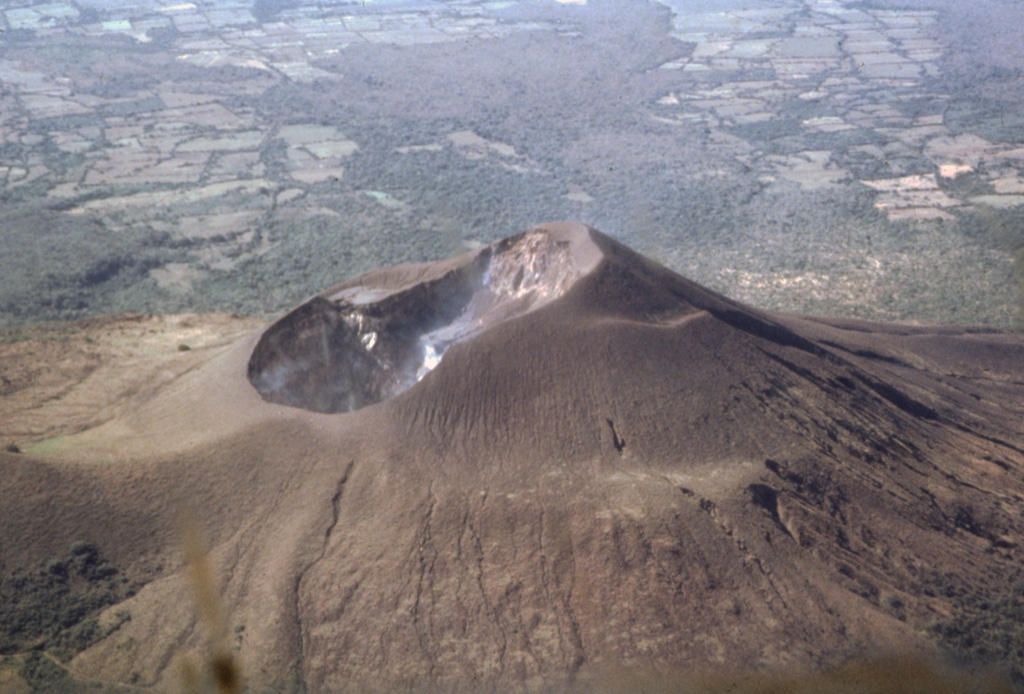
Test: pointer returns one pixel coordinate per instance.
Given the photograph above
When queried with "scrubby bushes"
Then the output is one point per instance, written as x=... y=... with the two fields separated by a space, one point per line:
x=987 y=624
x=55 y=607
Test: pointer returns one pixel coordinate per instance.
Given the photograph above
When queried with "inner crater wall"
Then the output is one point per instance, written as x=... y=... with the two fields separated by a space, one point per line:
x=341 y=355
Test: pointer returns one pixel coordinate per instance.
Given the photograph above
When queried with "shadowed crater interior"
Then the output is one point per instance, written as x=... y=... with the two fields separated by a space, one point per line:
x=369 y=339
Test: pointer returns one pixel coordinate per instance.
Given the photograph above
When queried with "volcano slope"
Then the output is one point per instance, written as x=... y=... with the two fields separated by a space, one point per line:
x=543 y=458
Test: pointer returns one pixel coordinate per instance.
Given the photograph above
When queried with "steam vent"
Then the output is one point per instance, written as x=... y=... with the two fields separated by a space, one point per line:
x=359 y=343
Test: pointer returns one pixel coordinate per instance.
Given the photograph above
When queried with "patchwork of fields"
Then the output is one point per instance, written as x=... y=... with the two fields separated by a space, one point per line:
x=813 y=155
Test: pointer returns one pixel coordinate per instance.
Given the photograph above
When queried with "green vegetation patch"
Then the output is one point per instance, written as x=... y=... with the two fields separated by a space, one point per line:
x=55 y=608
x=987 y=625
x=1001 y=228
x=60 y=267
x=44 y=675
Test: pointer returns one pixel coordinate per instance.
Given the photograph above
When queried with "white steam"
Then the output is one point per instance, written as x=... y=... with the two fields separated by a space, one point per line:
x=431 y=358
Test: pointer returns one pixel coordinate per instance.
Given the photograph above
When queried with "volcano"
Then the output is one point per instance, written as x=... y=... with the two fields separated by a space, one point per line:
x=542 y=458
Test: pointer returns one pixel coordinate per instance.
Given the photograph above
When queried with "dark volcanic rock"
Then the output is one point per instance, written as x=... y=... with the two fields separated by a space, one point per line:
x=607 y=465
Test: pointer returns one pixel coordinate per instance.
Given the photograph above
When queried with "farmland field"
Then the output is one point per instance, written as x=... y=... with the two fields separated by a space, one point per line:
x=826 y=156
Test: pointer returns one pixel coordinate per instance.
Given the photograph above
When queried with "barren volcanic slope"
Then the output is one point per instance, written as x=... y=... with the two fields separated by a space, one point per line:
x=545 y=456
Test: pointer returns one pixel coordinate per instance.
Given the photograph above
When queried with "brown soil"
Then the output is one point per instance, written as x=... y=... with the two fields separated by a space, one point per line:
x=633 y=472
x=62 y=378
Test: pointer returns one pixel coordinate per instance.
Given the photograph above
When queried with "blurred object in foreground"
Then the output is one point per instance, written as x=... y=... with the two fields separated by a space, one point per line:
x=220 y=672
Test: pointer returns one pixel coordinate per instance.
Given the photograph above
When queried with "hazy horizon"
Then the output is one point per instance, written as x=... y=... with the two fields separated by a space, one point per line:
x=856 y=159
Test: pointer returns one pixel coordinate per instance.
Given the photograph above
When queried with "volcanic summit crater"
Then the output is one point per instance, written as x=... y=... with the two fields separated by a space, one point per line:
x=357 y=344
